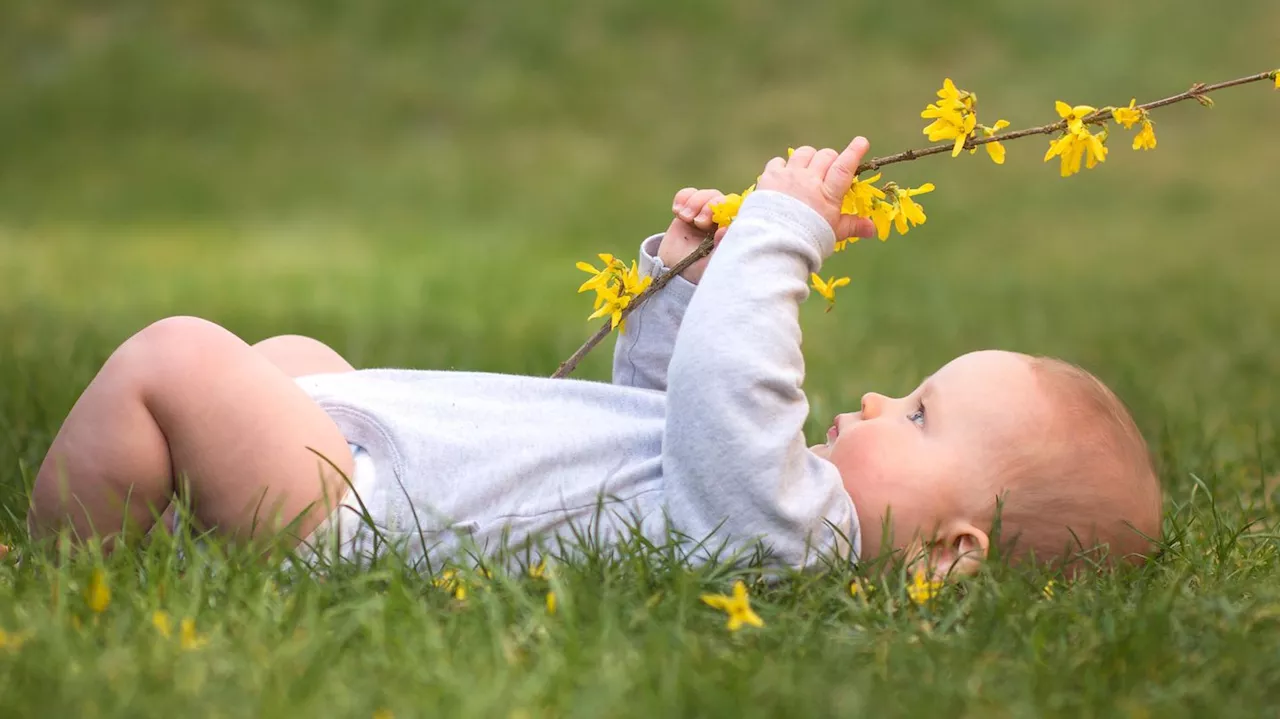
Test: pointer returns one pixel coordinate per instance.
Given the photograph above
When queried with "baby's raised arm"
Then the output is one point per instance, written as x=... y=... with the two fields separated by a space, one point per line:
x=734 y=452
x=642 y=352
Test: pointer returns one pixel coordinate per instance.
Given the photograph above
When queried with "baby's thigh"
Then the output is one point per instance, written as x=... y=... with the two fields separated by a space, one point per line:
x=257 y=449
x=299 y=356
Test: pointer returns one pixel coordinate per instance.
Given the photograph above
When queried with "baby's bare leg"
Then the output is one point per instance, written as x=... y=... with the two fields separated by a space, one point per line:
x=187 y=397
x=299 y=356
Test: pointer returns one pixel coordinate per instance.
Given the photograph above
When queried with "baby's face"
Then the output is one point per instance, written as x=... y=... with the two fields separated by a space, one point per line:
x=933 y=456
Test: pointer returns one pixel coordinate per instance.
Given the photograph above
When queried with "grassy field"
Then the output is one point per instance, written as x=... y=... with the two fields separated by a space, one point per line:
x=412 y=183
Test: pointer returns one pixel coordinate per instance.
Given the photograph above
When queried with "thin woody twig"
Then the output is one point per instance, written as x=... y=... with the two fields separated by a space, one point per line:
x=1101 y=116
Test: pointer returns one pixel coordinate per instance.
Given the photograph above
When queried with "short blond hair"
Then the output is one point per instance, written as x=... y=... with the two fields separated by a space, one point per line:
x=1089 y=483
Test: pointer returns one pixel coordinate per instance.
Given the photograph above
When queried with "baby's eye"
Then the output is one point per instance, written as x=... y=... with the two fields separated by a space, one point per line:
x=917 y=416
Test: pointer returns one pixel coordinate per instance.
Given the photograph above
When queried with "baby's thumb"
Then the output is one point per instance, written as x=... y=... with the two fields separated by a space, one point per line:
x=853 y=226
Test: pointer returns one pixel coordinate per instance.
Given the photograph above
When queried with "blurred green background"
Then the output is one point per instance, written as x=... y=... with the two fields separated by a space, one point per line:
x=412 y=182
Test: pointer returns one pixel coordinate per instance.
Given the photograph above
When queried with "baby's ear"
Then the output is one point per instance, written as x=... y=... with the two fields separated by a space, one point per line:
x=960 y=549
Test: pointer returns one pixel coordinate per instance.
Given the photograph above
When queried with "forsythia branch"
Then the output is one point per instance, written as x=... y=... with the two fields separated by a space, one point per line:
x=1197 y=92
x=1101 y=116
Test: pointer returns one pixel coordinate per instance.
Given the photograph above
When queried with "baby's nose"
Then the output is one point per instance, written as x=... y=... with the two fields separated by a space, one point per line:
x=872 y=405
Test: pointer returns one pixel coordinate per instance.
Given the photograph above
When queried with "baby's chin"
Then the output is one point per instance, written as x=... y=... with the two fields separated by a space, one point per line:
x=822 y=450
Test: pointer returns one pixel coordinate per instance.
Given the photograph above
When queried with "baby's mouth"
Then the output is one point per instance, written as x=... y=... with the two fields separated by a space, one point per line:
x=832 y=434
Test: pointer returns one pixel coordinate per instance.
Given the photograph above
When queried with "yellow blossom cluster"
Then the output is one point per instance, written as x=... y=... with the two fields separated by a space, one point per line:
x=615 y=285
x=1077 y=142
x=955 y=117
x=1131 y=115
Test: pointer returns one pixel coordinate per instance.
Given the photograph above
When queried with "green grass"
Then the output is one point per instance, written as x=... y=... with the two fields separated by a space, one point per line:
x=412 y=182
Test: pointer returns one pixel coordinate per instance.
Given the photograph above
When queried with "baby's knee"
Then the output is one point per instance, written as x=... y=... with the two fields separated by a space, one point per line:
x=298 y=356
x=176 y=344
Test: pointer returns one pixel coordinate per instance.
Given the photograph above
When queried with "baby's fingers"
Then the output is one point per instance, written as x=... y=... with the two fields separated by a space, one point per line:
x=701 y=205
x=840 y=175
x=854 y=226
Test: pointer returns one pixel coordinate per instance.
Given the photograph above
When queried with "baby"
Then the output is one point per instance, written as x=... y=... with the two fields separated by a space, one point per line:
x=699 y=434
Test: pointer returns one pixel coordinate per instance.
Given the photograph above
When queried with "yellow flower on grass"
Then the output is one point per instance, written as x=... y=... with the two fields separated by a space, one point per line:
x=738 y=607
x=1048 y=589
x=923 y=589
x=97 y=595
x=859 y=587
x=163 y=623
x=994 y=149
x=539 y=570
x=827 y=289
x=1128 y=116
x=451 y=582
x=12 y=642
x=1146 y=137
x=191 y=640
x=551 y=602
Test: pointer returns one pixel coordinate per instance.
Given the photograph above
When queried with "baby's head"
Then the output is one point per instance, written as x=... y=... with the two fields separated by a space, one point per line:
x=1046 y=439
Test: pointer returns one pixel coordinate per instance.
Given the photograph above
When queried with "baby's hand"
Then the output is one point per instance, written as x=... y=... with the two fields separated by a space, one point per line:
x=692 y=208
x=820 y=179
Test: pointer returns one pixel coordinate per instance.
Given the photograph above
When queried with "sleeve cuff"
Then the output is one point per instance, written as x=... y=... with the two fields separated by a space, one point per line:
x=779 y=208
x=678 y=288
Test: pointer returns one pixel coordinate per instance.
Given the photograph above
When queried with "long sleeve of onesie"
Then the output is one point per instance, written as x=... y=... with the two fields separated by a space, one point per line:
x=734 y=452
x=643 y=351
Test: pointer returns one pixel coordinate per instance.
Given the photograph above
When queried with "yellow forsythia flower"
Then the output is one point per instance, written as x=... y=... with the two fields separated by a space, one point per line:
x=1073 y=115
x=860 y=587
x=163 y=624
x=601 y=276
x=539 y=570
x=923 y=589
x=615 y=285
x=953 y=116
x=907 y=210
x=1146 y=137
x=1048 y=589
x=994 y=149
x=1073 y=147
x=97 y=595
x=551 y=602
x=861 y=197
x=827 y=289
x=1128 y=116
x=882 y=216
x=190 y=639
x=723 y=212
x=738 y=607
